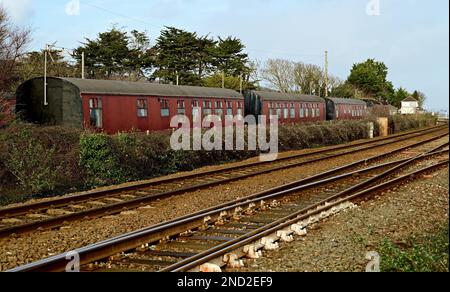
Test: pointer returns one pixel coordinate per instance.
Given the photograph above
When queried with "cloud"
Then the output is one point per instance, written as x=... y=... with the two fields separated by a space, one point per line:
x=18 y=10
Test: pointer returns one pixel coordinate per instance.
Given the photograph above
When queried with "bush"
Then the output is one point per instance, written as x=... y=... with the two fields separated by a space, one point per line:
x=100 y=159
x=295 y=137
x=404 y=123
x=424 y=254
x=39 y=160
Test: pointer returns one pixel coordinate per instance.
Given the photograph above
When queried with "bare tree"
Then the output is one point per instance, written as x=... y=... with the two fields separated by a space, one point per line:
x=334 y=82
x=288 y=76
x=309 y=79
x=280 y=74
x=13 y=42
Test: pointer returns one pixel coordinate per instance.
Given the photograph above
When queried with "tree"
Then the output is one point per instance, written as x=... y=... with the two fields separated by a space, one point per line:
x=309 y=79
x=32 y=65
x=115 y=54
x=420 y=97
x=231 y=82
x=287 y=76
x=398 y=97
x=371 y=78
x=13 y=42
x=203 y=56
x=228 y=57
x=141 y=56
x=280 y=74
x=346 y=90
x=176 y=50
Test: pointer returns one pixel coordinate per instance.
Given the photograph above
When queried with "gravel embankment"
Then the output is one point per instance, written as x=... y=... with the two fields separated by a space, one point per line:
x=342 y=242
x=19 y=250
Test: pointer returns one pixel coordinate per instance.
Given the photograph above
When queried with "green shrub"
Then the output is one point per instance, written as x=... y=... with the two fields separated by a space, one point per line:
x=100 y=160
x=295 y=137
x=38 y=158
x=423 y=254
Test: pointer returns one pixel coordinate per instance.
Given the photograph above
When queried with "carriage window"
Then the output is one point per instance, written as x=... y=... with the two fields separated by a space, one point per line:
x=219 y=109
x=142 y=108
x=313 y=112
x=302 y=112
x=240 y=111
x=196 y=111
x=307 y=112
x=270 y=107
x=207 y=109
x=95 y=112
x=164 y=103
x=229 y=110
x=286 y=111
x=279 y=111
x=318 y=112
x=292 y=111
x=181 y=108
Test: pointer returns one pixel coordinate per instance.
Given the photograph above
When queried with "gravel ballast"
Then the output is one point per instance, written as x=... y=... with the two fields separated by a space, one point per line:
x=341 y=243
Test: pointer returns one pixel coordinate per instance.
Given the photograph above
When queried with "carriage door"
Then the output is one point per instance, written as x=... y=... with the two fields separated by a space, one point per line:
x=142 y=114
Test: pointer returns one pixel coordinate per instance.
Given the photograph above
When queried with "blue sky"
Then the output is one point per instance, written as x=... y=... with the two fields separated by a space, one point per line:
x=410 y=36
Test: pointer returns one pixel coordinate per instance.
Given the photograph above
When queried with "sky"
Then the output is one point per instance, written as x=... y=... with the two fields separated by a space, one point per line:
x=410 y=36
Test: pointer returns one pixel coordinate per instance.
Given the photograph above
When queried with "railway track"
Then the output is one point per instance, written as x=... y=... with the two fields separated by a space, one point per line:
x=60 y=211
x=224 y=234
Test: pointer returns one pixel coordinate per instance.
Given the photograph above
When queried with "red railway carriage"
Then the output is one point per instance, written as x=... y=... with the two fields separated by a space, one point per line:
x=345 y=109
x=289 y=107
x=119 y=106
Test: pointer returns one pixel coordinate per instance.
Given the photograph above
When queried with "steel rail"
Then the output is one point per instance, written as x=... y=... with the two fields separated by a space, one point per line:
x=119 y=207
x=96 y=194
x=287 y=221
x=126 y=242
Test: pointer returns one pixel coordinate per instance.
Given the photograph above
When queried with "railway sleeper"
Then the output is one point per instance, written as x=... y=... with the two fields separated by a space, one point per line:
x=234 y=260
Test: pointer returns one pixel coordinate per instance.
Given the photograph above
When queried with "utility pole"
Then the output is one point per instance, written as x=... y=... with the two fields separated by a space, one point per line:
x=326 y=73
x=178 y=78
x=223 y=79
x=45 y=75
x=241 y=83
x=82 y=65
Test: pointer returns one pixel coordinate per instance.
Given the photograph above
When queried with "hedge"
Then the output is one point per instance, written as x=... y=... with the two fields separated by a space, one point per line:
x=47 y=161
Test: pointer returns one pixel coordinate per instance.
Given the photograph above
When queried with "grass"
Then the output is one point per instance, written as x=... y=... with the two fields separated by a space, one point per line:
x=419 y=254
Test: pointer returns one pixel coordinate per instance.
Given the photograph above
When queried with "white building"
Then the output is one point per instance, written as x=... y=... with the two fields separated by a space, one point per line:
x=410 y=106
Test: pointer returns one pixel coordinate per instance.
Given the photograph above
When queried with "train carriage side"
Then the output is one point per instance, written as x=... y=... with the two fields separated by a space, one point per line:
x=119 y=106
x=290 y=108
x=345 y=109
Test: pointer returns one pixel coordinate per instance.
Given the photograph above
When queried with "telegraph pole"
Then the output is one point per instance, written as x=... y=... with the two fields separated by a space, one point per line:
x=223 y=79
x=45 y=75
x=82 y=65
x=241 y=81
x=326 y=73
